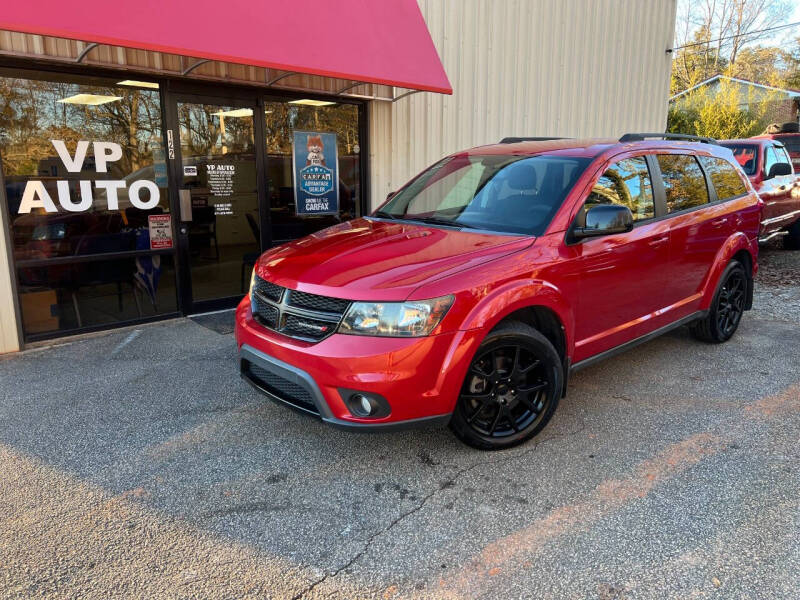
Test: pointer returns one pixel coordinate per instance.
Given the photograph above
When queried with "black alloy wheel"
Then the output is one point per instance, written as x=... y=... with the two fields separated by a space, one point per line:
x=730 y=303
x=727 y=307
x=511 y=388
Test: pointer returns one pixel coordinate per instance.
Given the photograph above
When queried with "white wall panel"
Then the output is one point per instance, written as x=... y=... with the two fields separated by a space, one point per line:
x=575 y=68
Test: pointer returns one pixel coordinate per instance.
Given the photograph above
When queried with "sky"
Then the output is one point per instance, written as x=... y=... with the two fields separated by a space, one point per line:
x=785 y=35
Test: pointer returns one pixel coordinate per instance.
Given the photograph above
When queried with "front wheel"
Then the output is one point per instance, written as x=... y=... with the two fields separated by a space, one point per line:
x=511 y=389
x=727 y=306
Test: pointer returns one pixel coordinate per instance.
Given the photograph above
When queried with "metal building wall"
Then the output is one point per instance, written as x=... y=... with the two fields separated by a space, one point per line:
x=575 y=68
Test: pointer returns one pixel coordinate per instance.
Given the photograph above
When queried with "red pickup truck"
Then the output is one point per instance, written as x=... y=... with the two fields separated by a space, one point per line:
x=769 y=167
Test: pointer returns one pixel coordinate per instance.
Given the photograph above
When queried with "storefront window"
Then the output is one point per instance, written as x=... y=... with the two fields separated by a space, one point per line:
x=282 y=120
x=86 y=191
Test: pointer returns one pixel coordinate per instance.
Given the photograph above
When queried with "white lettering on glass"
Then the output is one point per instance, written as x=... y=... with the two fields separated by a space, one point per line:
x=36 y=196
x=104 y=153
x=111 y=186
x=74 y=165
x=66 y=202
x=133 y=194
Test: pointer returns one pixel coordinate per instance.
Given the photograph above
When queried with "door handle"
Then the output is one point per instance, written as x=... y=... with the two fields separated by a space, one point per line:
x=655 y=243
x=719 y=222
x=185 y=199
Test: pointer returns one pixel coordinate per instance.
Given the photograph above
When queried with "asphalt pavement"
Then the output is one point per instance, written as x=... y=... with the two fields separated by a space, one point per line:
x=136 y=464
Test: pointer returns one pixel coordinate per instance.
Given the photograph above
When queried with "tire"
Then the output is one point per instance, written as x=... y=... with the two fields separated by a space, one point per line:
x=791 y=241
x=727 y=306
x=511 y=388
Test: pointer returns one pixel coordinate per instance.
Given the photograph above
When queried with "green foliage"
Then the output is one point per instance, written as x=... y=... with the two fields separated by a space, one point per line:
x=724 y=113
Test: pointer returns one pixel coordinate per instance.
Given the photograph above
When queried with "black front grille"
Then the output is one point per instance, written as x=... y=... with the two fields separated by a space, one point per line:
x=286 y=390
x=300 y=315
x=268 y=289
x=306 y=327
x=266 y=314
x=314 y=302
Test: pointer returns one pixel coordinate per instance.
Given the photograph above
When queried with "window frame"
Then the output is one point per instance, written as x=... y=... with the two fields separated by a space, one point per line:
x=614 y=161
x=710 y=182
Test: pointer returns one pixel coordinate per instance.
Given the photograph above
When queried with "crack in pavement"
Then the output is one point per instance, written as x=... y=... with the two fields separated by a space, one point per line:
x=442 y=486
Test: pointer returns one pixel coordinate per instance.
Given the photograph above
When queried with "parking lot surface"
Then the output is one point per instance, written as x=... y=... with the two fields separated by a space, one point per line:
x=136 y=464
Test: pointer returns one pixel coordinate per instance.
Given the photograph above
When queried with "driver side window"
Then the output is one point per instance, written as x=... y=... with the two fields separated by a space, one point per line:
x=770 y=158
x=627 y=183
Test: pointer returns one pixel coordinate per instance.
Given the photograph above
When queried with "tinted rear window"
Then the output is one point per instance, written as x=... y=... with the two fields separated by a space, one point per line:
x=791 y=146
x=727 y=182
x=684 y=182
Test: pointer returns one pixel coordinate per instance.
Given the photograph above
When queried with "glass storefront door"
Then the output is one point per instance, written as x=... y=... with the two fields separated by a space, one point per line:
x=218 y=199
x=281 y=120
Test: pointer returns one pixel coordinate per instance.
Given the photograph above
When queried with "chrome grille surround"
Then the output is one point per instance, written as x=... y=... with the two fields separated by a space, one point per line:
x=298 y=315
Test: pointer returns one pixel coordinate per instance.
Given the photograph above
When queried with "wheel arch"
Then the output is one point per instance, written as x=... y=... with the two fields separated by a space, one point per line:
x=736 y=247
x=536 y=303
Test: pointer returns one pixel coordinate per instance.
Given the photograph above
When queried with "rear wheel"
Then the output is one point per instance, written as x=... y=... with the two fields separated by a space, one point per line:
x=791 y=241
x=727 y=307
x=511 y=389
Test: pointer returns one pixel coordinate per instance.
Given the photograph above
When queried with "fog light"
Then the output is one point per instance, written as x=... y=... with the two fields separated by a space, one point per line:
x=363 y=404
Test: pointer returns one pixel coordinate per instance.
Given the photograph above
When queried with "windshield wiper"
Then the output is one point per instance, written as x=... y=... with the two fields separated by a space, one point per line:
x=438 y=221
x=384 y=215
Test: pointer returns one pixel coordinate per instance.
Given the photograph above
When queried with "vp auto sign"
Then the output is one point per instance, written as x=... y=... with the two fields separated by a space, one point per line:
x=142 y=194
x=316 y=173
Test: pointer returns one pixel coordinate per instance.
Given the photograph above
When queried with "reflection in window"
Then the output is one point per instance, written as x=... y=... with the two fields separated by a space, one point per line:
x=727 y=182
x=103 y=133
x=281 y=119
x=626 y=183
x=746 y=155
x=684 y=182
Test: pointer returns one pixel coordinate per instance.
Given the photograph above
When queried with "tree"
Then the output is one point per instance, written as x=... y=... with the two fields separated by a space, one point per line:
x=722 y=113
x=712 y=34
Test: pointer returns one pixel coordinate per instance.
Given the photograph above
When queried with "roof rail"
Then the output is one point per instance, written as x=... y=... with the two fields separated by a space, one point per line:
x=515 y=140
x=640 y=137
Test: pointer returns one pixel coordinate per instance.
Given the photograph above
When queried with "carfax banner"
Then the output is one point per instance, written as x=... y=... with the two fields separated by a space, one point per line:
x=316 y=173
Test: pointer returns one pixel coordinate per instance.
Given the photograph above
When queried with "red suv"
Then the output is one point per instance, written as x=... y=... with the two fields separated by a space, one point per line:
x=472 y=293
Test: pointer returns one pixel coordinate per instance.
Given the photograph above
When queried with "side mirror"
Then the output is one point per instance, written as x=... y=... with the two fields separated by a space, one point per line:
x=779 y=169
x=605 y=219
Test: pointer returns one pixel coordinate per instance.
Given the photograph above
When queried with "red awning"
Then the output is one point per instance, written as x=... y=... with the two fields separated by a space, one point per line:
x=375 y=41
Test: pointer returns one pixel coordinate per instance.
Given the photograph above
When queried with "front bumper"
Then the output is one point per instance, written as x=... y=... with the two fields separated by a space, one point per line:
x=419 y=377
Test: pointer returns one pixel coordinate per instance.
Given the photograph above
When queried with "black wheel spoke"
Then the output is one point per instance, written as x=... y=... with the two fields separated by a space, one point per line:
x=475 y=370
x=533 y=387
x=526 y=400
x=530 y=367
x=515 y=369
x=496 y=421
x=483 y=396
x=510 y=418
x=474 y=415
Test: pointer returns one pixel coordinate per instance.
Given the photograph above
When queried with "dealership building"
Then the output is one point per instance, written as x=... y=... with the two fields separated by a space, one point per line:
x=151 y=151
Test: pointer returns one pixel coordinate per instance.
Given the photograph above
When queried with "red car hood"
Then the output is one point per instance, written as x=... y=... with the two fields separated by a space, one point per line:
x=367 y=259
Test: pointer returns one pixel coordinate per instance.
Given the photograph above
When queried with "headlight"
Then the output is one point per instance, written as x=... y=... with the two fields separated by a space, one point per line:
x=395 y=319
x=252 y=281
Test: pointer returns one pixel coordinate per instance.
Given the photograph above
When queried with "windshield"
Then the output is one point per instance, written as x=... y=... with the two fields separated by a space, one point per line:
x=746 y=155
x=509 y=194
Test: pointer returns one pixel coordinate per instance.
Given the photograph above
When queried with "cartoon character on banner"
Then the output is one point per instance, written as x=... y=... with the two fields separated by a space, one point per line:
x=315 y=151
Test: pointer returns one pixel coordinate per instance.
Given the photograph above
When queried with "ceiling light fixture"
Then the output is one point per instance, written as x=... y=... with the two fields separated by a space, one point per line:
x=310 y=102
x=89 y=99
x=236 y=112
x=134 y=83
